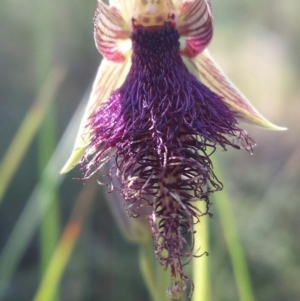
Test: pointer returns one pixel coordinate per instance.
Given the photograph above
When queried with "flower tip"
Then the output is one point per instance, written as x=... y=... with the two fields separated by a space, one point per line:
x=264 y=123
x=65 y=169
x=212 y=75
x=75 y=157
x=278 y=128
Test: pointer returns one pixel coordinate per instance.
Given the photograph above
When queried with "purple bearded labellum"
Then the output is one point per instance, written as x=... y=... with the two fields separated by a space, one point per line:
x=161 y=125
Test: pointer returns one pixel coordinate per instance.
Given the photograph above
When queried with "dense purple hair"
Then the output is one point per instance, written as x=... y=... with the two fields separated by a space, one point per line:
x=160 y=127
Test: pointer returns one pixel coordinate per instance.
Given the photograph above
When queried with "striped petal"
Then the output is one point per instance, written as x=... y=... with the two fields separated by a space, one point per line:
x=195 y=26
x=111 y=33
x=212 y=76
x=125 y=7
x=110 y=76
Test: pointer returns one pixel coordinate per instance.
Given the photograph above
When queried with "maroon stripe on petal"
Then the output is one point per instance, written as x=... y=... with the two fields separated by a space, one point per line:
x=212 y=76
x=195 y=26
x=109 y=32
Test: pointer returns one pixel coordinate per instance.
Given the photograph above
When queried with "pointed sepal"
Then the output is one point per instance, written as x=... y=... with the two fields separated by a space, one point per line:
x=110 y=76
x=213 y=77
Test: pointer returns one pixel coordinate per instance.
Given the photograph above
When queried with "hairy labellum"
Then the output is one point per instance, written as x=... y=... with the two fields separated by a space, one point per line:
x=161 y=126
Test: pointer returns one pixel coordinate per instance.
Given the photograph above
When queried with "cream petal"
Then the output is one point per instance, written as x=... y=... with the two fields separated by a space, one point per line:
x=111 y=33
x=126 y=8
x=212 y=76
x=110 y=76
x=195 y=26
x=177 y=3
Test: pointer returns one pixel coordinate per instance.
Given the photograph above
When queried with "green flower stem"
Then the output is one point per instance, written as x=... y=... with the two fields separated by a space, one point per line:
x=200 y=265
x=163 y=279
x=236 y=252
x=156 y=278
x=146 y=266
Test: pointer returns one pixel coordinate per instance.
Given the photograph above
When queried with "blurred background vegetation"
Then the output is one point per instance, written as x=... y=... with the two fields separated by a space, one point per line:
x=47 y=62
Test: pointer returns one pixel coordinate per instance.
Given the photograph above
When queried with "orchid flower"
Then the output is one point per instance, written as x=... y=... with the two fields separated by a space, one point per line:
x=159 y=107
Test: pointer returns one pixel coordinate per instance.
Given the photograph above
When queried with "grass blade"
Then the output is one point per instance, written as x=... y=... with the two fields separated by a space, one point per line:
x=35 y=208
x=63 y=251
x=235 y=248
x=28 y=129
x=50 y=225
